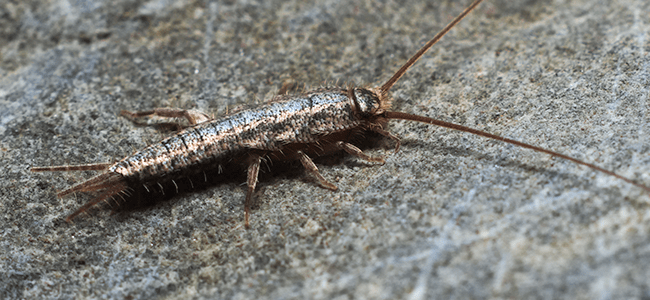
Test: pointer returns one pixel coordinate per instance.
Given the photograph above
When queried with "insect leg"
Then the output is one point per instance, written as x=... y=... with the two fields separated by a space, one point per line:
x=253 y=172
x=353 y=150
x=390 y=135
x=311 y=167
x=192 y=116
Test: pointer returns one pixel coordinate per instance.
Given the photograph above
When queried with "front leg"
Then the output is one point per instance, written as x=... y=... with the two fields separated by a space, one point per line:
x=354 y=150
x=385 y=133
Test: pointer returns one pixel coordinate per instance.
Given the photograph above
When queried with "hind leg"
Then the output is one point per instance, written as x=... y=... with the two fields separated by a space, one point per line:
x=192 y=116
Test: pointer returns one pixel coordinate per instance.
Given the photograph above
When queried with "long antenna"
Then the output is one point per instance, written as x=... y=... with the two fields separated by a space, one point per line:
x=384 y=88
x=383 y=93
x=410 y=117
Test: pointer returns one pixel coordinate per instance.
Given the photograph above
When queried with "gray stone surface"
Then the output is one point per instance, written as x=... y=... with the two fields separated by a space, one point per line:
x=451 y=216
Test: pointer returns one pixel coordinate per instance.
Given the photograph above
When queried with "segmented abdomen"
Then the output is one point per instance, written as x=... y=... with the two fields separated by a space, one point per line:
x=296 y=120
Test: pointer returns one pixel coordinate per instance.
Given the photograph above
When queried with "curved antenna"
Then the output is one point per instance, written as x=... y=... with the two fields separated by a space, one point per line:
x=384 y=88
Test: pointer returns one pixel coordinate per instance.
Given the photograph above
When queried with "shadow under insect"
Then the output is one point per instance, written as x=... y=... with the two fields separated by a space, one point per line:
x=139 y=197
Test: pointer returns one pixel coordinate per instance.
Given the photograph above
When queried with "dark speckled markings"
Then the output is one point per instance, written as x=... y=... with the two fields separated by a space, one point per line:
x=304 y=119
x=291 y=127
x=287 y=128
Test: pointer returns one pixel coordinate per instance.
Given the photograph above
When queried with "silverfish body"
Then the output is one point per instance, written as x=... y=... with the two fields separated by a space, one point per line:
x=292 y=127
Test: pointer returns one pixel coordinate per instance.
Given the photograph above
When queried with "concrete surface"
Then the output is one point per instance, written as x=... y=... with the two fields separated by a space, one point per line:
x=451 y=216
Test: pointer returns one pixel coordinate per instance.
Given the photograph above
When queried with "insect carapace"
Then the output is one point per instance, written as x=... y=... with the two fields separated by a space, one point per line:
x=289 y=128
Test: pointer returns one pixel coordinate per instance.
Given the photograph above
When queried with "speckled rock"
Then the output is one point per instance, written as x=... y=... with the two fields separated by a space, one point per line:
x=450 y=216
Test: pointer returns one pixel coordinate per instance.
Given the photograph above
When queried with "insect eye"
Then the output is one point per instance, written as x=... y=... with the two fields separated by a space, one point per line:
x=366 y=101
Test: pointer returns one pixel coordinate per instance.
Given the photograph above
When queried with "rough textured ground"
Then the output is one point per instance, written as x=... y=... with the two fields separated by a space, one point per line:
x=450 y=216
